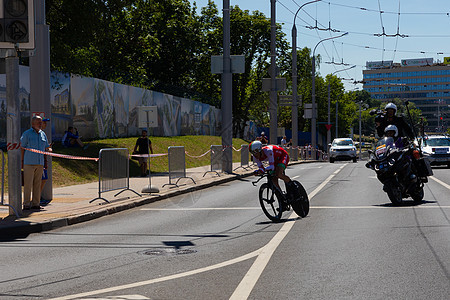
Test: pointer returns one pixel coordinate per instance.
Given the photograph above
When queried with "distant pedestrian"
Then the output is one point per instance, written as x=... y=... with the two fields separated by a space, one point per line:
x=33 y=163
x=263 y=139
x=283 y=142
x=143 y=143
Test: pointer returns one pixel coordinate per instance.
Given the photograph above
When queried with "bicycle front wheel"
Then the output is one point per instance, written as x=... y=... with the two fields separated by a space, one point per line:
x=270 y=203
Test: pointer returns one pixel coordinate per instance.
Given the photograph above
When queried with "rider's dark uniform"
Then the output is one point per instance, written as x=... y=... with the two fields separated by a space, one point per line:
x=403 y=128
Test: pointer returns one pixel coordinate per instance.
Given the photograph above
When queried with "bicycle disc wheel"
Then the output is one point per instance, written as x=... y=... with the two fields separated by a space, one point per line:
x=300 y=202
x=270 y=203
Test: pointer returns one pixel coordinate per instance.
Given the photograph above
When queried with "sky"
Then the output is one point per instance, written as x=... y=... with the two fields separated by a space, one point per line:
x=405 y=29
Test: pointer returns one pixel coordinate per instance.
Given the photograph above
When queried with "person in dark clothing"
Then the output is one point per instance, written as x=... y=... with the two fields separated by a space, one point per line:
x=404 y=130
x=72 y=139
x=142 y=145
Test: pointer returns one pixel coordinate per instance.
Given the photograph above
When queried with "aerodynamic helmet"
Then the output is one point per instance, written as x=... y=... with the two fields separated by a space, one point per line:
x=255 y=147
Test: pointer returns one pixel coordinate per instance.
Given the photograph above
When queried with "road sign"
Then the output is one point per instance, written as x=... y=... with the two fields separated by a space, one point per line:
x=237 y=64
x=280 y=84
x=308 y=110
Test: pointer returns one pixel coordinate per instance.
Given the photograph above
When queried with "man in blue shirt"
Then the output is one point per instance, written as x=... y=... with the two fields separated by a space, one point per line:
x=33 y=163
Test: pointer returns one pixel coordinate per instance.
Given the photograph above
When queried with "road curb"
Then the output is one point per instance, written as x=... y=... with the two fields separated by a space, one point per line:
x=23 y=228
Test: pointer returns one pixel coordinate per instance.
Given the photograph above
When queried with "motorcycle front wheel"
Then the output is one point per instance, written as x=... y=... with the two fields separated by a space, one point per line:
x=394 y=192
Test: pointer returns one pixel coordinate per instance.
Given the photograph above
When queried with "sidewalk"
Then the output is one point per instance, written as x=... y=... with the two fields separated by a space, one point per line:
x=70 y=205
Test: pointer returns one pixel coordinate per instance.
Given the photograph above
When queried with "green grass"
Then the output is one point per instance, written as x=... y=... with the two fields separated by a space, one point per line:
x=69 y=171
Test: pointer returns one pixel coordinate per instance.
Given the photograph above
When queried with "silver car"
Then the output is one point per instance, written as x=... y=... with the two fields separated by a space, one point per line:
x=342 y=149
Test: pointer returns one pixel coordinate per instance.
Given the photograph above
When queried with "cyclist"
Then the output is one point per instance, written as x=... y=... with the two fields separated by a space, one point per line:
x=278 y=160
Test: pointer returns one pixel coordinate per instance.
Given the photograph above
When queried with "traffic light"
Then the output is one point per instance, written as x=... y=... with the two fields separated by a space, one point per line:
x=16 y=24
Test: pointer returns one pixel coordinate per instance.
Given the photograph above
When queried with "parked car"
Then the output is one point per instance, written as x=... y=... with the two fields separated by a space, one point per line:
x=437 y=149
x=342 y=149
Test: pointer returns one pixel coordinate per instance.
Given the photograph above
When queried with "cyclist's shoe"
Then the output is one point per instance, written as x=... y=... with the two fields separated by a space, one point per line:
x=284 y=207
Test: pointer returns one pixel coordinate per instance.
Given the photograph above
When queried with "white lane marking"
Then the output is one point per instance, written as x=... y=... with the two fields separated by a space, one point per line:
x=265 y=252
x=296 y=176
x=311 y=207
x=201 y=208
x=247 y=284
x=170 y=277
x=377 y=207
x=440 y=182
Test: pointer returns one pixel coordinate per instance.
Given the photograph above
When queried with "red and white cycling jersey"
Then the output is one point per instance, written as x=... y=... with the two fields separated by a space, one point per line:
x=275 y=155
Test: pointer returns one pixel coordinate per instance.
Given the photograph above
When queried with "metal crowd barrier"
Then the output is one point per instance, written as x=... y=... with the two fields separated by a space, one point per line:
x=216 y=159
x=245 y=153
x=2 y=203
x=113 y=172
x=177 y=165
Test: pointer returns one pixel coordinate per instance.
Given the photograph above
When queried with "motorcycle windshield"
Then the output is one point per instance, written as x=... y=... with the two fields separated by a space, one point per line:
x=382 y=147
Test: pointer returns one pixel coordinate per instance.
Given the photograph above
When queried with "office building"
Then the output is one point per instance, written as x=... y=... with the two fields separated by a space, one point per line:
x=421 y=81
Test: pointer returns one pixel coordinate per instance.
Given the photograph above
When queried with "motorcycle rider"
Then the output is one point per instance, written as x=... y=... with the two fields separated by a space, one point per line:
x=390 y=118
x=392 y=131
x=278 y=160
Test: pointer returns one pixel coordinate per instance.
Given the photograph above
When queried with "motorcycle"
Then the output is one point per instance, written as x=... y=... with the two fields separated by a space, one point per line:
x=400 y=169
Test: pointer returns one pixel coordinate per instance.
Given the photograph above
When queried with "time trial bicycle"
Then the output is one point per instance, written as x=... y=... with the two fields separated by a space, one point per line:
x=274 y=201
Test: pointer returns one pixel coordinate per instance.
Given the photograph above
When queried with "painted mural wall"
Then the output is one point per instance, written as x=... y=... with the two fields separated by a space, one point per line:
x=103 y=109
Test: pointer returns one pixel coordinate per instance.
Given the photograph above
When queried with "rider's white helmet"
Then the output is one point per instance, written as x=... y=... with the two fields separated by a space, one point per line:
x=391 y=105
x=391 y=128
x=255 y=147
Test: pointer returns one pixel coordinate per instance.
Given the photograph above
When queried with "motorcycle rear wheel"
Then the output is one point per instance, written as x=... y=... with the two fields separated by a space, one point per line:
x=418 y=195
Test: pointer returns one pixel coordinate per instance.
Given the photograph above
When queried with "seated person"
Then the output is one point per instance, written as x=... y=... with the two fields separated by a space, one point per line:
x=72 y=139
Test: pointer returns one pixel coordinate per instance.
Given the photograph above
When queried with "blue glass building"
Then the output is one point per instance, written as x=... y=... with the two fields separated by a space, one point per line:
x=421 y=81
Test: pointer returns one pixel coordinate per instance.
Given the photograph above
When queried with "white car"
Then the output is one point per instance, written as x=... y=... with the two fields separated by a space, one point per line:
x=437 y=149
x=342 y=149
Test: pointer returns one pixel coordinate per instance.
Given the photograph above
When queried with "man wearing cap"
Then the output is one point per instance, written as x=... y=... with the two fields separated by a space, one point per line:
x=33 y=163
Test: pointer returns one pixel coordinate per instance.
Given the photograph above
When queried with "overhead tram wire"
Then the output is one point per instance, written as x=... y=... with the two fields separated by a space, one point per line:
x=388 y=12
x=398 y=31
x=382 y=28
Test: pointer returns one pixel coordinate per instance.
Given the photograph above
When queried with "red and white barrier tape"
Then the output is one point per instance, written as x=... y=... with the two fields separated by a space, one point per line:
x=61 y=155
x=191 y=156
x=147 y=155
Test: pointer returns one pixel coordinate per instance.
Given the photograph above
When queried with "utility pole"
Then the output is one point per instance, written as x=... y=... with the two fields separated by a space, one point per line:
x=227 y=100
x=13 y=131
x=273 y=74
x=40 y=82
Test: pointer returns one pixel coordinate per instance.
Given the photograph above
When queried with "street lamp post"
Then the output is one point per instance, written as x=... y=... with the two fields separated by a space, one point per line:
x=360 y=104
x=329 y=109
x=313 y=119
x=294 y=79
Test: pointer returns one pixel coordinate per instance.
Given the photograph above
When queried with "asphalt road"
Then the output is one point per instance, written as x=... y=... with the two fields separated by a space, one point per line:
x=217 y=244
